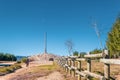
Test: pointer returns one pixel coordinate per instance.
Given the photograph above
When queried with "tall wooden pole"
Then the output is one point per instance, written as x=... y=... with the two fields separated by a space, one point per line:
x=45 y=42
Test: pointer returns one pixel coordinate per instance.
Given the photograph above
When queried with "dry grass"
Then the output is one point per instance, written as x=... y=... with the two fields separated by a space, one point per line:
x=98 y=68
x=34 y=72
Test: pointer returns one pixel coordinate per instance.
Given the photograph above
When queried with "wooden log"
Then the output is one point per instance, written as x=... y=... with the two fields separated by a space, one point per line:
x=99 y=55
x=94 y=75
x=66 y=65
x=80 y=59
x=74 y=68
x=70 y=69
x=66 y=57
x=73 y=56
x=81 y=73
x=110 y=61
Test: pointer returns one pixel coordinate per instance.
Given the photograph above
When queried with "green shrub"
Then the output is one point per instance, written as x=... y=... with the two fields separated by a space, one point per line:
x=18 y=62
x=9 y=69
x=23 y=60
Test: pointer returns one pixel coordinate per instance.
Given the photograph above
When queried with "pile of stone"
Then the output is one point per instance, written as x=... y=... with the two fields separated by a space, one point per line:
x=43 y=57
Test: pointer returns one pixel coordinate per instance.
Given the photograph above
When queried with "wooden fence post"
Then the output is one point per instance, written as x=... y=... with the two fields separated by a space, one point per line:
x=106 y=66
x=79 y=68
x=88 y=66
x=64 y=62
x=69 y=66
x=107 y=71
x=73 y=64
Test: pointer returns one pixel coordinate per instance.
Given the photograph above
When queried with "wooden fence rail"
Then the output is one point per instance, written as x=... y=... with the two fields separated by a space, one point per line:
x=69 y=65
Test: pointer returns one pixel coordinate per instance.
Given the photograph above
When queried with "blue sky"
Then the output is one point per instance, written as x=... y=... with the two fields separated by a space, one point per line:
x=24 y=22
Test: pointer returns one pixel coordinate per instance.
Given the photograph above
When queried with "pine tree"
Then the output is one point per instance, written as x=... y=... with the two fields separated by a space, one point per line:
x=113 y=41
x=96 y=51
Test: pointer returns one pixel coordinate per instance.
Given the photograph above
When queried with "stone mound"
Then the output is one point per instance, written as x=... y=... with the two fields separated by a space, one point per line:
x=43 y=57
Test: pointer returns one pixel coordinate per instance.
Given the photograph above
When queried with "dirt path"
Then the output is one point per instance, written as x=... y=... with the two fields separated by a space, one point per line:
x=53 y=76
x=25 y=73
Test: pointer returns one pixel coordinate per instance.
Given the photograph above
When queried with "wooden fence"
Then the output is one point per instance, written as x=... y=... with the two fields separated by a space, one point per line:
x=69 y=65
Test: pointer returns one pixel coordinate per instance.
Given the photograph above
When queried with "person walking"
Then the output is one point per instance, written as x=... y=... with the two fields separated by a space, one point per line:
x=27 y=62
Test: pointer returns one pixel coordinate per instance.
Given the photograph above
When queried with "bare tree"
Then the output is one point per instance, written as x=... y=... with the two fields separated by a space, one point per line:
x=69 y=45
